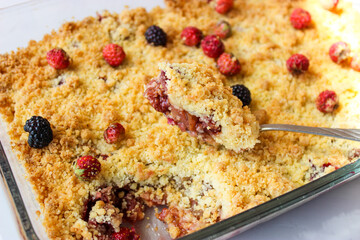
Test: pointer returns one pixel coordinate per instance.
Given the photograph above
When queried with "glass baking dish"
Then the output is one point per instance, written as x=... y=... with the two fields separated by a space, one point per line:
x=42 y=16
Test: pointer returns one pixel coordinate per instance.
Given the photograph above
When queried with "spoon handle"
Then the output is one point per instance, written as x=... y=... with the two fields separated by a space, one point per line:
x=350 y=134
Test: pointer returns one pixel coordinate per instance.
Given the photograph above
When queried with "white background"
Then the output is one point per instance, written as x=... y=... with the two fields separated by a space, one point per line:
x=333 y=216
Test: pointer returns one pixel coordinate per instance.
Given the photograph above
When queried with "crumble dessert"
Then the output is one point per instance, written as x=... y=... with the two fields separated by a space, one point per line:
x=82 y=89
x=194 y=98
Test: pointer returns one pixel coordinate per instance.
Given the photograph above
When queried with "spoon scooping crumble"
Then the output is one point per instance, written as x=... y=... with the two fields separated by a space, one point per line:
x=194 y=99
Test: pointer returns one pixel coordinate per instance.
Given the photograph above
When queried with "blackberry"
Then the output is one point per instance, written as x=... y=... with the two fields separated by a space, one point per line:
x=242 y=93
x=40 y=133
x=155 y=36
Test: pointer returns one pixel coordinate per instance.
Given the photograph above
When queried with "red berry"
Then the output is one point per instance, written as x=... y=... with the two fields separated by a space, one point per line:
x=114 y=133
x=58 y=58
x=224 y=6
x=340 y=52
x=300 y=18
x=228 y=64
x=329 y=4
x=222 y=29
x=191 y=36
x=327 y=101
x=355 y=62
x=87 y=167
x=297 y=64
x=125 y=234
x=113 y=54
x=325 y=165
x=212 y=46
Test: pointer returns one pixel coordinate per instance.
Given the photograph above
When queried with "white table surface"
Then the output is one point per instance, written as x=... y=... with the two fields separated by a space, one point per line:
x=334 y=215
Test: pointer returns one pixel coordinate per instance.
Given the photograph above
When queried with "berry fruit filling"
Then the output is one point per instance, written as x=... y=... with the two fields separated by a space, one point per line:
x=202 y=127
x=106 y=210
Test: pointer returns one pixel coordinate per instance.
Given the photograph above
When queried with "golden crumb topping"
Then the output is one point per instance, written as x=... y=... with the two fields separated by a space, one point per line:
x=156 y=161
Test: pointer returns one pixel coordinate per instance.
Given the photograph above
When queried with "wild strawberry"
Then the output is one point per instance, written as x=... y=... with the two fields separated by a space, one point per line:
x=222 y=29
x=224 y=6
x=355 y=62
x=297 y=64
x=327 y=101
x=125 y=234
x=58 y=58
x=327 y=165
x=340 y=52
x=113 y=54
x=329 y=4
x=300 y=18
x=114 y=133
x=87 y=167
x=228 y=64
x=191 y=36
x=212 y=46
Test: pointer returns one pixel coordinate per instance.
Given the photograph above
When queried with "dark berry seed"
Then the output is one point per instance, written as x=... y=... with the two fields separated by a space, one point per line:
x=156 y=36
x=40 y=133
x=243 y=93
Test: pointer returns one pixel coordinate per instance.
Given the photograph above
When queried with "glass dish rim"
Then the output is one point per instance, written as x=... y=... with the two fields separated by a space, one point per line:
x=248 y=218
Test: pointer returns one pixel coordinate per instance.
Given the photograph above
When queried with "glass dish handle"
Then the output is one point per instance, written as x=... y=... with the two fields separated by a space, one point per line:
x=350 y=134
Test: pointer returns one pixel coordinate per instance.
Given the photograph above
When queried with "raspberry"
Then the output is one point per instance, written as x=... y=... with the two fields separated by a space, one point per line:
x=87 y=167
x=300 y=18
x=156 y=36
x=191 y=36
x=228 y=64
x=355 y=62
x=329 y=4
x=113 y=54
x=40 y=133
x=242 y=93
x=340 y=52
x=58 y=58
x=212 y=46
x=224 y=6
x=114 y=133
x=327 y=101
x=297 y=64
x=125 y=234
x=222 y=29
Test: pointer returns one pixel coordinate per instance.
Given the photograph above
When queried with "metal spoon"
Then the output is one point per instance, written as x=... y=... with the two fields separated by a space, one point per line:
x=350 y=134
